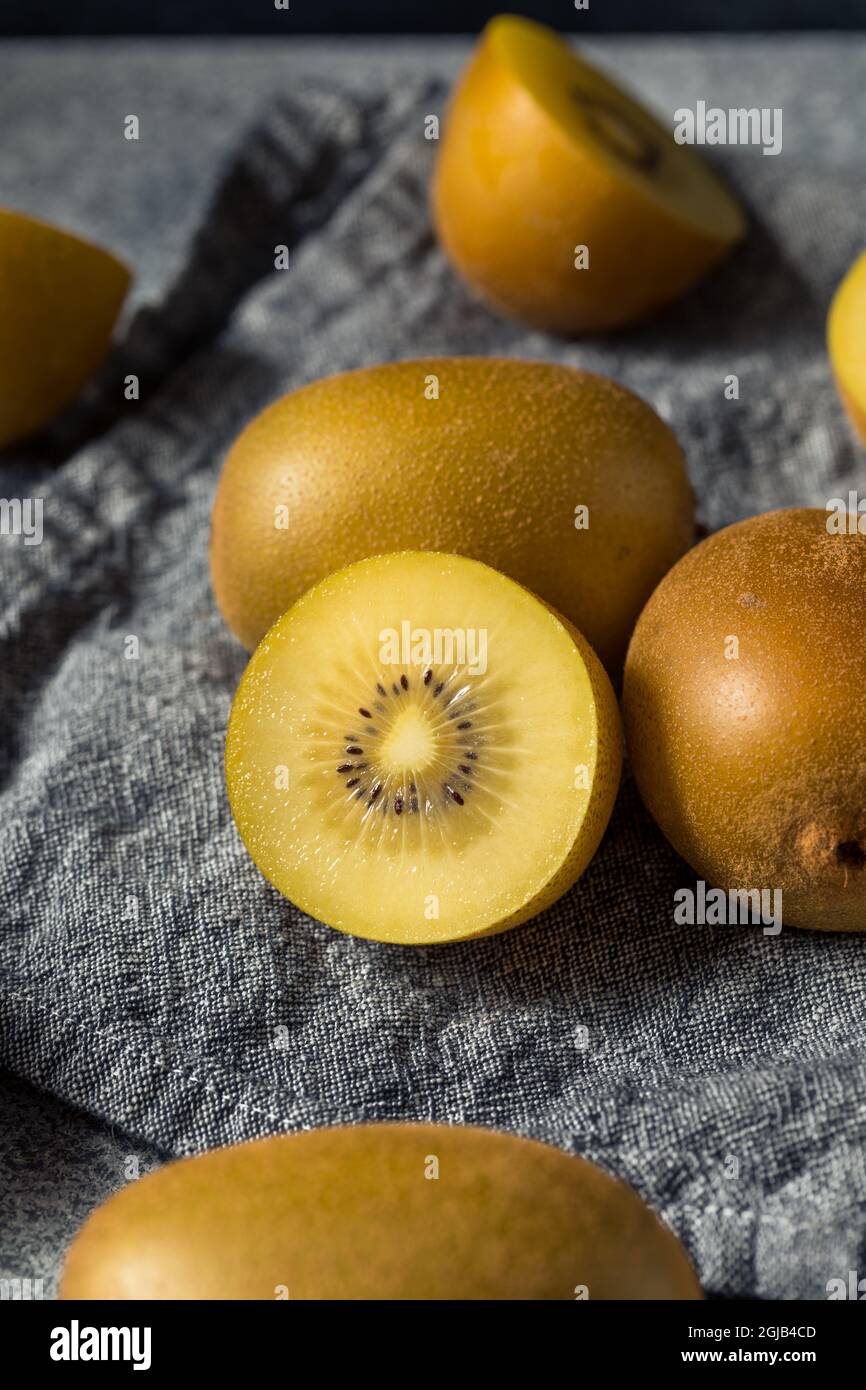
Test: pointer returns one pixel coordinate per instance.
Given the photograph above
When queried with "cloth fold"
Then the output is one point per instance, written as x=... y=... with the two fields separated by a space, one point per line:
x=151 y=976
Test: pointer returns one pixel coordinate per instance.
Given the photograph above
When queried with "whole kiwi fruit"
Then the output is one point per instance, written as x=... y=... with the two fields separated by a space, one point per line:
x=558 y=478
x=745 y=709
x=378 y=1211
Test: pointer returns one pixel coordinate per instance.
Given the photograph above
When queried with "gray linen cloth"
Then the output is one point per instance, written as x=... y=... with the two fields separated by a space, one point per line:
x=149 y=975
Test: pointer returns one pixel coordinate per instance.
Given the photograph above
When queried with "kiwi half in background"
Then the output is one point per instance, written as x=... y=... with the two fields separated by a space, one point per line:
x=421 y=789
x=370 y=1212
x=541 y=156
x=745 y=710
x=561 y=479
x=59 y=301
x=846 y=340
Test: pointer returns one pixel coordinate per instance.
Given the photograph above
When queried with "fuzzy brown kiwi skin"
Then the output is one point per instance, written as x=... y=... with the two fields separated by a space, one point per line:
x=492 y=470
x=345 y=1213
x=754 y=767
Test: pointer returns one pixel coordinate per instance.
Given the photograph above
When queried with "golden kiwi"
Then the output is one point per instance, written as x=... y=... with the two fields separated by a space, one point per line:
x=561 y=479
x=421 y=751
x=745 y=705
x=59 y=301
x=560 y=200
x=846 y=339
x=377 y=1212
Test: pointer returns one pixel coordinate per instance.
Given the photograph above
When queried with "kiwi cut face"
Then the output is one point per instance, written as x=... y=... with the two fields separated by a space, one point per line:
x=60 y=298
x=606 y=122
x=421 y=751
x=846 y=341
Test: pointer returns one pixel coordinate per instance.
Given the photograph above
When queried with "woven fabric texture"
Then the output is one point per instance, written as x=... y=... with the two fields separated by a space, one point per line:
x=147 y=972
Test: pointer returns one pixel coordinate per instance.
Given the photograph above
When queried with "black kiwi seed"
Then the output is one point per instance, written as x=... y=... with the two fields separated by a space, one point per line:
x=353 y=782
x=428 y=676
x=398 y=805
x=346 y=767
x=395 y=687
x=438 y=691
x=375 y=792
x=470 y=754
x=467 y=771
x=404 y=681
x=353 y=749
x=366 y=713
x=465 y=724
x=381 y=689
x=454 y=795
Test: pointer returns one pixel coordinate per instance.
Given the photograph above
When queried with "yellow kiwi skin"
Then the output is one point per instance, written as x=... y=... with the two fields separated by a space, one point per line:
x=59 y=300
x=583 y=817
x=753 y=765
x=377 y=1212
x=366 y=462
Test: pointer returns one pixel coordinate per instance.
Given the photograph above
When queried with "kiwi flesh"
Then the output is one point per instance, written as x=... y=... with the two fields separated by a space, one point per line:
x=421 y=751
x=846 y=342
x=607 y=217
x=374 y=1212
x=60 y=297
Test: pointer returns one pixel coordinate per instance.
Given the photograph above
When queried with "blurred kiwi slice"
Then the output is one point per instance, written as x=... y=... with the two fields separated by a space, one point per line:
x=420 y=750
x=846 y=340
x=59 y=301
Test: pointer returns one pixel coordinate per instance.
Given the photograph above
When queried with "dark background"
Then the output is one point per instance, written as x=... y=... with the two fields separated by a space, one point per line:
x=421 y=17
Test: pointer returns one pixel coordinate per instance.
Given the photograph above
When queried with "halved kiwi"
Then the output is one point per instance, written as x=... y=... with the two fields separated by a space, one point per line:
x=59 y=300
x=420 y=750
x=560 y=200
x=846 y=340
